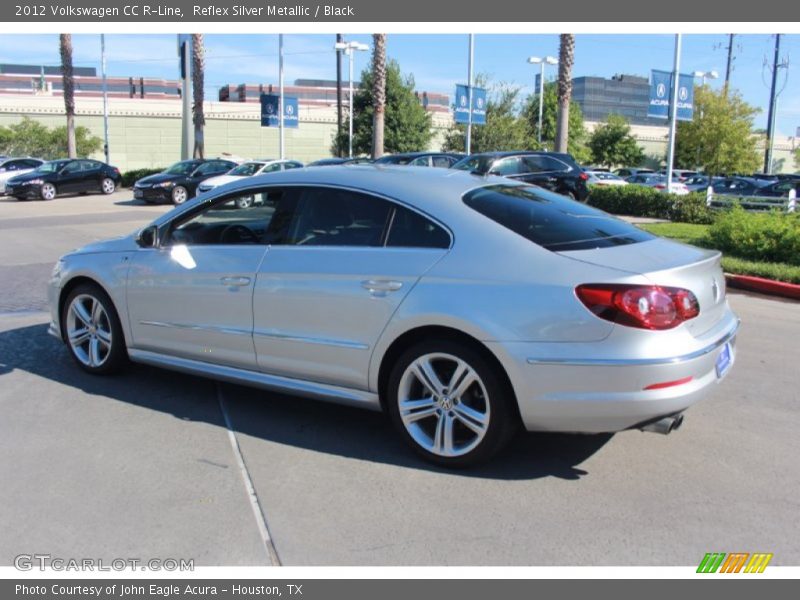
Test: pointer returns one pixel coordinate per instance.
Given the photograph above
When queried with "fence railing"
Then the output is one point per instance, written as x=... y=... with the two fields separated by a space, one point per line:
x=752 y=203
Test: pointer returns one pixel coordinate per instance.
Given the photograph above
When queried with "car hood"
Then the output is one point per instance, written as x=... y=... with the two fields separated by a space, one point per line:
x=117 y=244
x=159 y=178
x=221 y=180
x=28 y=177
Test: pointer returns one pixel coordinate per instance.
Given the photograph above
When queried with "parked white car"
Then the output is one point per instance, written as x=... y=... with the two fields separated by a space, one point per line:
x=604 y=178
x=11 y=167
x=248 y=169
x=659 y=182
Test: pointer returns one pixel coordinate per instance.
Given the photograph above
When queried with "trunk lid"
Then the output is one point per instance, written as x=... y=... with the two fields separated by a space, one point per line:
x=672 y=264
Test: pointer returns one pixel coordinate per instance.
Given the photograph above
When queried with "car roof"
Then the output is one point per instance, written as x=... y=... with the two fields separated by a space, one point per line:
x=443 y=188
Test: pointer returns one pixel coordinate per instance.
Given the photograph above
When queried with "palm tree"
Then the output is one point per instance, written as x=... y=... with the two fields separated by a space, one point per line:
x=378 y=92
x=65 y=47
x=198 y=75
x=566 y=57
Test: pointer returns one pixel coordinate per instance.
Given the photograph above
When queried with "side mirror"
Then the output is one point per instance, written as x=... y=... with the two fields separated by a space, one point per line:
x=148 y=237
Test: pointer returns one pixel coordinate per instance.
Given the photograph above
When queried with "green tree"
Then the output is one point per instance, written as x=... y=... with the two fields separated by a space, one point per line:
x=612 y=143
x=407 y=123
x=720 y=139
x=577 y=131
x=32 y=138
x=797 y=158
x=566 y=58
x=504 y=128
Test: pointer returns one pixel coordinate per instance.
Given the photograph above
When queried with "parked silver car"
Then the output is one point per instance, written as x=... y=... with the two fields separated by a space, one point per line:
x=462 y=305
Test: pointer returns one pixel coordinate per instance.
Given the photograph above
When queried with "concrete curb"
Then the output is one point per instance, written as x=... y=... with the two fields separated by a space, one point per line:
x=764 y=286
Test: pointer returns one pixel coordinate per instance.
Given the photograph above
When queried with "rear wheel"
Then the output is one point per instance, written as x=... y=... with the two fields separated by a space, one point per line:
x=244 y=202
x=449 y=404
x=108 y=186
x=48 y=191
x=91 y=328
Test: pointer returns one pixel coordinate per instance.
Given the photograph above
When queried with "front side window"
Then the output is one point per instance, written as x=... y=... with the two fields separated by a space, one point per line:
x=544 y=164
x=422 y=161
x=506 y=166
x=251 y=217
x=551 y=220
x=334 y=217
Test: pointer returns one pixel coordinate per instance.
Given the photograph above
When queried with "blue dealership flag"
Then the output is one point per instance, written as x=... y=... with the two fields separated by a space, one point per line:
x=661 y=95
x=270 y=104
x=461 y=111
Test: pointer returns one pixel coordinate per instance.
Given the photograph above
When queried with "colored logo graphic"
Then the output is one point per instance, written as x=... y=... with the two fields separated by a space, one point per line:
x=736 y=562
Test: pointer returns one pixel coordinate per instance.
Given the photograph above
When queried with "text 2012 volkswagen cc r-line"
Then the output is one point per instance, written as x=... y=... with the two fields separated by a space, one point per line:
x=461 y=305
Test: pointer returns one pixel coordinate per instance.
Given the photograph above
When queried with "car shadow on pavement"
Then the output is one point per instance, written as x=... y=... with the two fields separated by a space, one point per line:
x=277 y=418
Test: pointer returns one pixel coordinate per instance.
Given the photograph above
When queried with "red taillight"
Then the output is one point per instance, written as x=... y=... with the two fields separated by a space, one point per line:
x=660 y=186
x=584 y=176
x=643 y=306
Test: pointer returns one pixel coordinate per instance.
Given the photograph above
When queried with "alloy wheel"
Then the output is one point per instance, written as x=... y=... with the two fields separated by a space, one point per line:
x=108 y=186
x=48 y=191
x=88 y=330
x=179 y=195
x=443 y=404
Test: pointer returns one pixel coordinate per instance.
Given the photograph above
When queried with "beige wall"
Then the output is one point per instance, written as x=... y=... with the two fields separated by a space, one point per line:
x=146 y=133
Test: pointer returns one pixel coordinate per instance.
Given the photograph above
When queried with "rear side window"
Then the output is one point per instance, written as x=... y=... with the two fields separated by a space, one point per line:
x=412 y=230
x=550 y=220
x=544 y=164
x=332 y=217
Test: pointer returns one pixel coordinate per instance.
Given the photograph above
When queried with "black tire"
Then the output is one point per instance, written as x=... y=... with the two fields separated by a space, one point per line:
x=116 y=356
x=503 y=420
x=180 y=195
x=48 y=191
x=108 y=186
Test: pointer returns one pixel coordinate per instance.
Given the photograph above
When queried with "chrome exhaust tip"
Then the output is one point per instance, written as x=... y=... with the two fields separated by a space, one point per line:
x=664 y=426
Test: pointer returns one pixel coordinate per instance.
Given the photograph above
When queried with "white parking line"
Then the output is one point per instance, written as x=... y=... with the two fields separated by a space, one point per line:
x=258 y=511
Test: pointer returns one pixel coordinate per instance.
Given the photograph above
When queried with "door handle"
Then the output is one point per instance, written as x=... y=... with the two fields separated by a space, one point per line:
x=235 y=281
x=378 y=286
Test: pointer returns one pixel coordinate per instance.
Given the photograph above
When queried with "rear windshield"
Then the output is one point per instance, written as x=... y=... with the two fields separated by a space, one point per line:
x=551 y=220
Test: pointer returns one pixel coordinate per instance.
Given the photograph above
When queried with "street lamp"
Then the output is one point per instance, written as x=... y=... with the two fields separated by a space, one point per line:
x=706 y=74
x=535 y=60
x=350 y=48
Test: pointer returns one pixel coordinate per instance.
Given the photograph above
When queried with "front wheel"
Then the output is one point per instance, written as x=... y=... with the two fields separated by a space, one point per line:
x=108 y=186
x=47 y=191
x=179 y=195
x=449 y=404
x=91 y=328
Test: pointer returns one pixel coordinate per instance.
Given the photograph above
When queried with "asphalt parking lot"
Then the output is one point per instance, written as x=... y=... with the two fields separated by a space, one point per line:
x=144 y=464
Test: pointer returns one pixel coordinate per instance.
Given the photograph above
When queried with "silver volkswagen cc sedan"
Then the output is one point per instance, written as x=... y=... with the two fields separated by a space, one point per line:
x=464 y=306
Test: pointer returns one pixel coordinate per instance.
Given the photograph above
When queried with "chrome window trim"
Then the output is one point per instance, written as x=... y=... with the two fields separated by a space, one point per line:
x=636 y=362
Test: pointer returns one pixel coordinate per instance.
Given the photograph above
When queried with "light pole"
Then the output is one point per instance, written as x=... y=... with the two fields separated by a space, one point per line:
x=547 y=60
x=350 y=48
x=706 y=74
x=281 y=139
x=105 y=96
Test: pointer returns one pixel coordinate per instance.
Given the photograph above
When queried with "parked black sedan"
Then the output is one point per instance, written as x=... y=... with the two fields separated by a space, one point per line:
x=555 y=171
x=66 y=176
x=178 y=183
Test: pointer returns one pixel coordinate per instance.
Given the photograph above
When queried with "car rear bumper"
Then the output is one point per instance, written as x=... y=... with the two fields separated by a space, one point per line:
x=596 y=394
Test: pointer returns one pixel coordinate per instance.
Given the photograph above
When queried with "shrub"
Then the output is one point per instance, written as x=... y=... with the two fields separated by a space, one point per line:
x=642 y=201
x=130 y=177
x=633 y=200
x=691 y=209
x=771 y=237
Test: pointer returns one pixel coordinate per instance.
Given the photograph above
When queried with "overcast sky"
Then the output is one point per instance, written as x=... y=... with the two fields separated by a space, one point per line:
x=437 y=62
